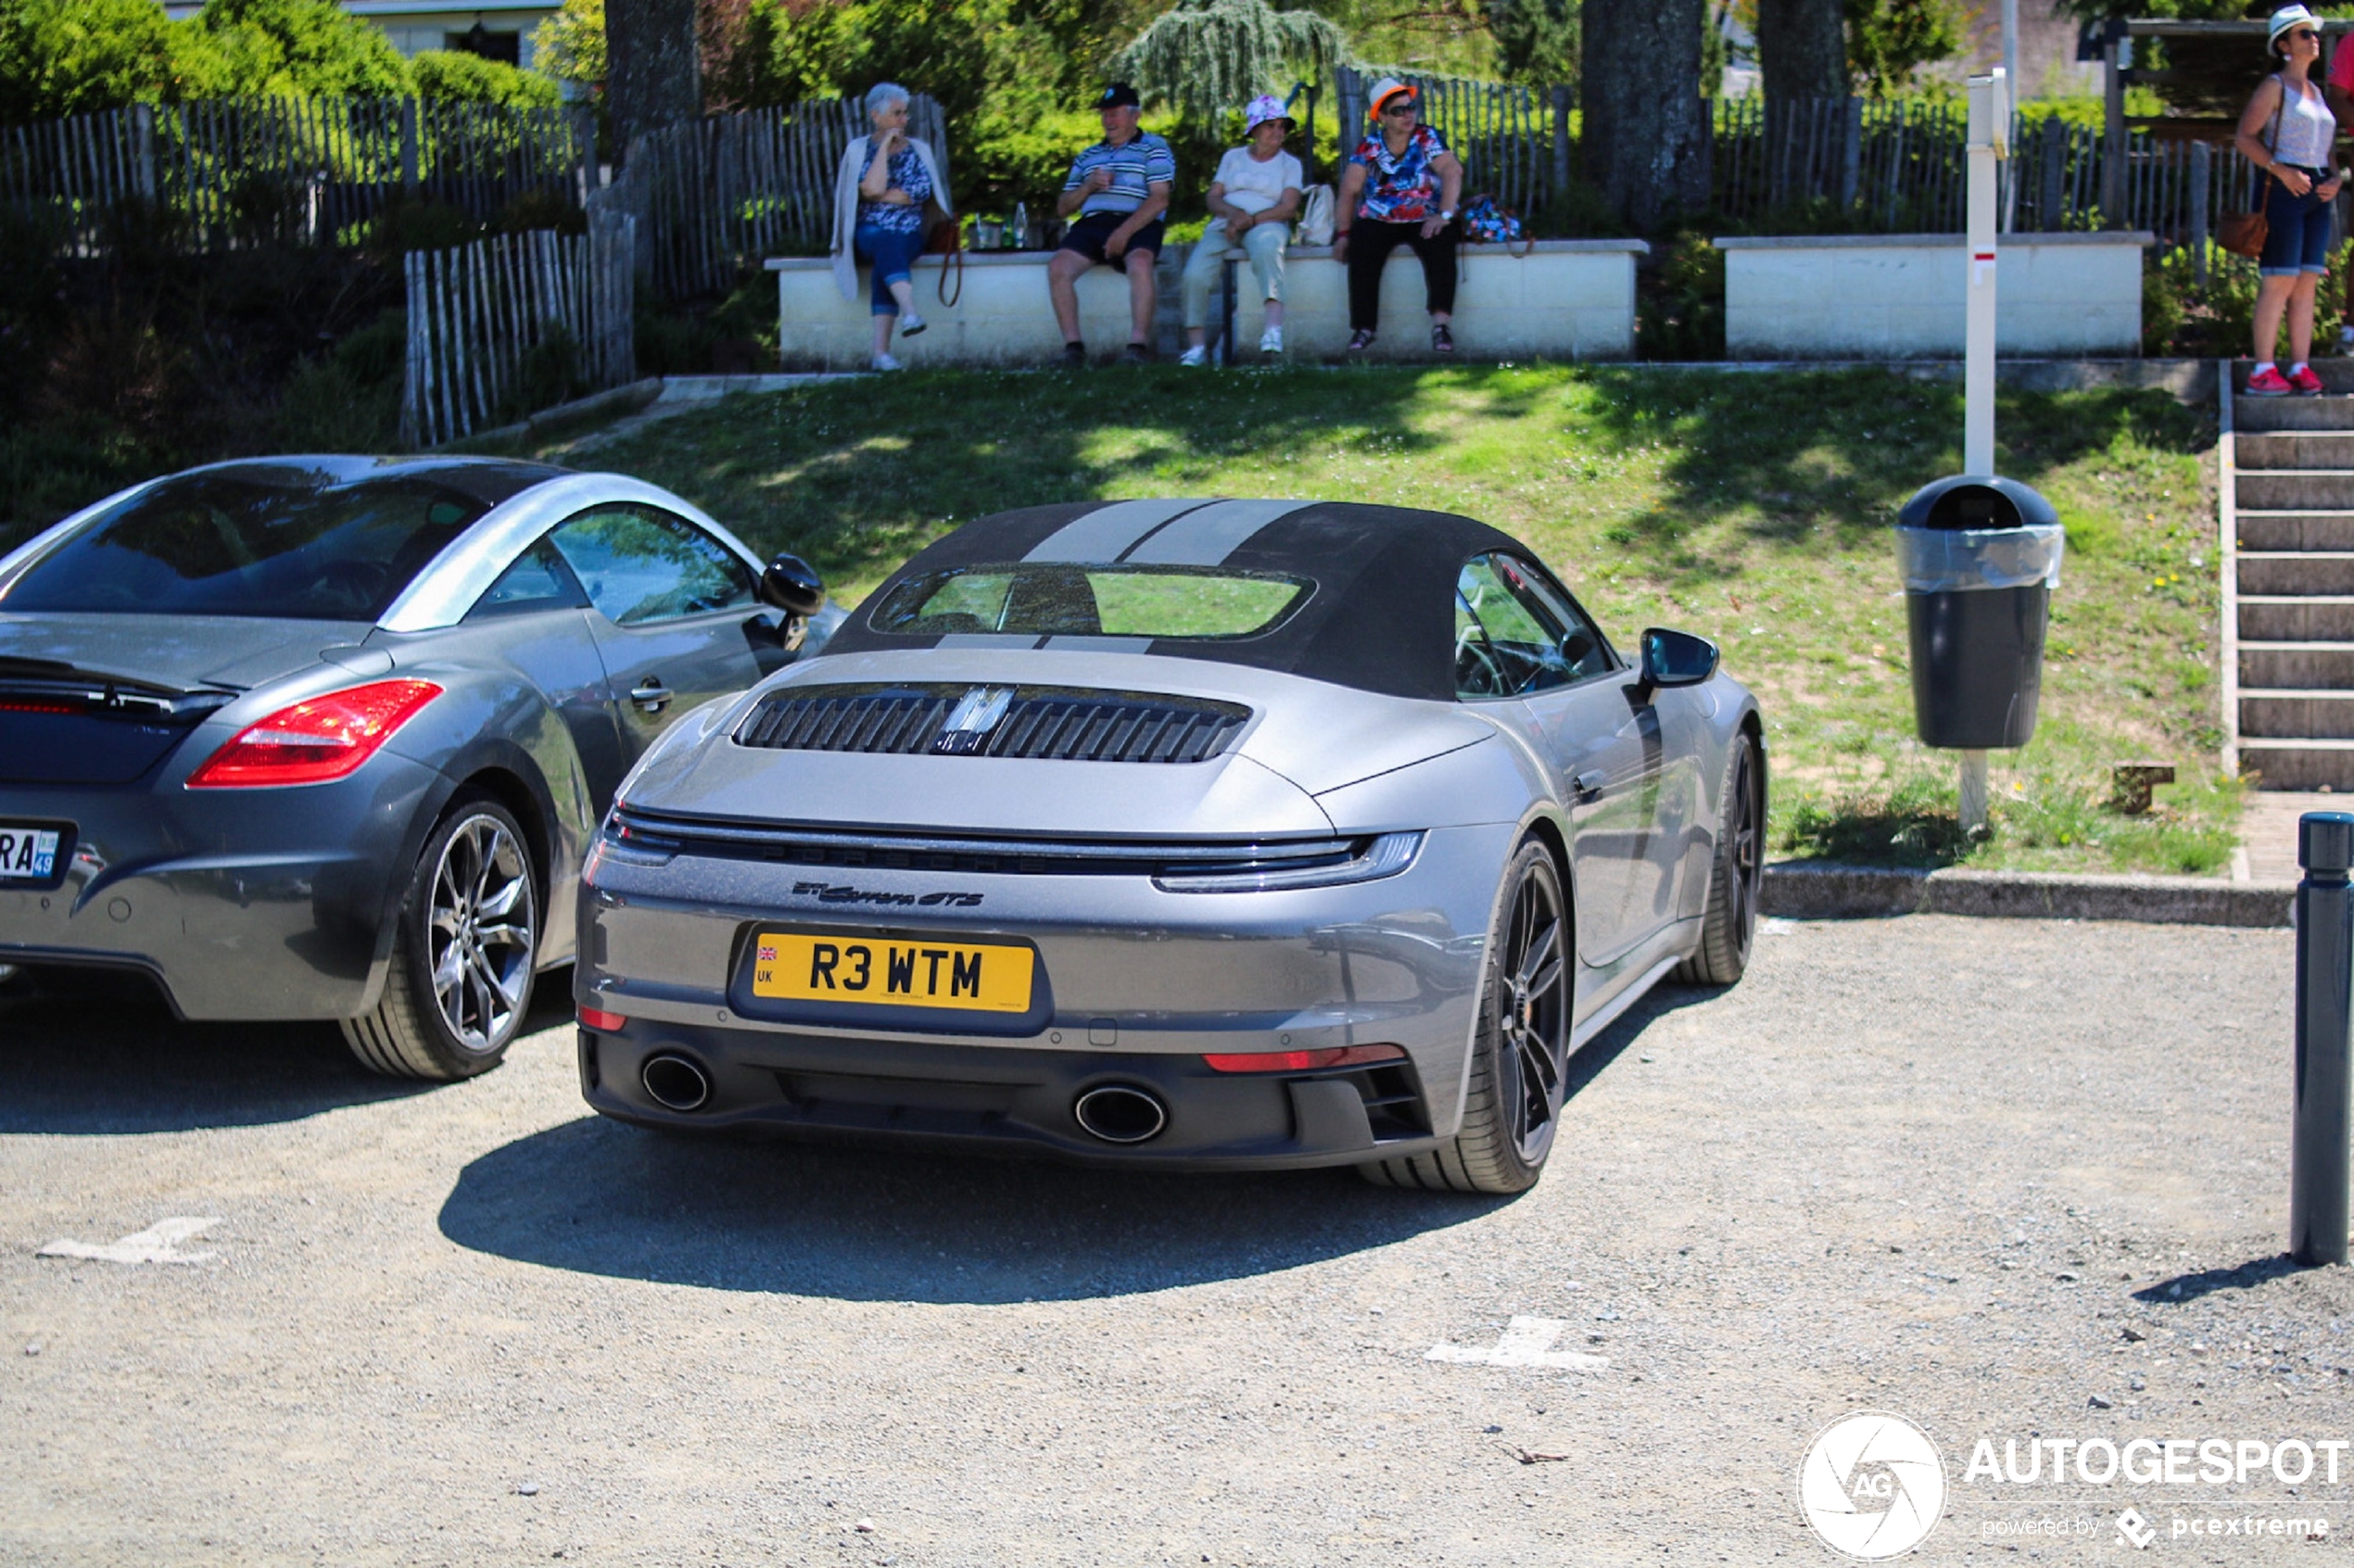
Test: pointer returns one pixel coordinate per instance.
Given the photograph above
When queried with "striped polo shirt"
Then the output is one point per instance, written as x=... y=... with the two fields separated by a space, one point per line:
x=1135 y=165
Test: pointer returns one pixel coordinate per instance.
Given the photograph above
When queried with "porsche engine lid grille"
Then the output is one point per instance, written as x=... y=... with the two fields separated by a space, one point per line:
x=993 y=721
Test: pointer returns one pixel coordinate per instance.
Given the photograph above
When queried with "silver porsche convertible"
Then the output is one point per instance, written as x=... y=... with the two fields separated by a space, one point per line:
x=1189 y=834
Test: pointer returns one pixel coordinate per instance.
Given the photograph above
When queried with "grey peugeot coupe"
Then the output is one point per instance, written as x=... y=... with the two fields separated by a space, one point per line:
x=328 y=737
x=1191 y=834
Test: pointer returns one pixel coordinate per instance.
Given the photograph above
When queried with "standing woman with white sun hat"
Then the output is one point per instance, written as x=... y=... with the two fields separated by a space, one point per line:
x=2286 y=132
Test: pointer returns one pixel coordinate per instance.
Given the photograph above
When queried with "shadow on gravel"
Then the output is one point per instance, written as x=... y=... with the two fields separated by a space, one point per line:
x=875 y=1224
x=869 y=1224
x=95 y=1053
x=2207 y=1281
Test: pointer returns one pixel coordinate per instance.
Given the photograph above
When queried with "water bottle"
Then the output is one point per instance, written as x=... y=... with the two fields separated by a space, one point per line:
x=1021 y=237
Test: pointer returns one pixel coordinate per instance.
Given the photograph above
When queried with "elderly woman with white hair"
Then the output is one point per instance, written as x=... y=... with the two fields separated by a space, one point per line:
x=882 y=192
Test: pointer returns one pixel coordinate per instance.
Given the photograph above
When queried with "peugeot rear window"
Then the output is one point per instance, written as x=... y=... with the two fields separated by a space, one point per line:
x=1054 y=599
x=292 y=544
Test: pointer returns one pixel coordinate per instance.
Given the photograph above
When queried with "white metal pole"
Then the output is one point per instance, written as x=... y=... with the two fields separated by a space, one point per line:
x=1990 y=128
x=2010 y=73
x=1988 y=139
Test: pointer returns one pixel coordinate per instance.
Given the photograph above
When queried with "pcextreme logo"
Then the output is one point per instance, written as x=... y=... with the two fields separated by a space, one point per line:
x=1872 y=1485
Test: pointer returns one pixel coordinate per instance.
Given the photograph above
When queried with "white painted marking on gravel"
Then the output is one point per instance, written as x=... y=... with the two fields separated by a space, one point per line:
x=1527 y=1342
x=160 y=1242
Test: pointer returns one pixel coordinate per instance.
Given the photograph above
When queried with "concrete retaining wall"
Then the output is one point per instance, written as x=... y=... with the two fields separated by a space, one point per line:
x=1901 y=295
x=1569 y=299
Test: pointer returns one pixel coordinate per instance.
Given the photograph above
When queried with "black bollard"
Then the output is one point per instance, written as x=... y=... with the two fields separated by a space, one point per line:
x=2324 y=1010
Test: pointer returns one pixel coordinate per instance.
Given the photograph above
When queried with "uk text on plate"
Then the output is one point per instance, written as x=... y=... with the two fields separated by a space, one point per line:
x=792 y=966
x=29 y=854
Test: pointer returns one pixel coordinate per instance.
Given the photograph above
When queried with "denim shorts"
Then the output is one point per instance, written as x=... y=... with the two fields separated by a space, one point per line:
x=2297 y=235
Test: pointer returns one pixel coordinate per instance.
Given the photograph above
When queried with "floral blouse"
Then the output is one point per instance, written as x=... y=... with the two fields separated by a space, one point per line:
x=1403 y=187
x=907 y=173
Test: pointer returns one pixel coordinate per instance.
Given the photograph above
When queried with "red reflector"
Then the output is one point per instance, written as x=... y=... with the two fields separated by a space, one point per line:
x=317 y=741
x=607 y=1023
x=1306 y=1061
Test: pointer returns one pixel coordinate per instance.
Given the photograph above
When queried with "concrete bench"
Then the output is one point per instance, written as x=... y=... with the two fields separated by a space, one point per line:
x=1873 y=296
x=1565 y=299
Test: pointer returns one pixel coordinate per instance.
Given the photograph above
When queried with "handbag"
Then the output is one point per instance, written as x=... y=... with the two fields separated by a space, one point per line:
x=945 y=239
x=1316 y=216
x=2243 y=233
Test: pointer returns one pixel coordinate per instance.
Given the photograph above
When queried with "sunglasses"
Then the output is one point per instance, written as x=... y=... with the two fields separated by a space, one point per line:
x=2305 y=35
x=1406 y=107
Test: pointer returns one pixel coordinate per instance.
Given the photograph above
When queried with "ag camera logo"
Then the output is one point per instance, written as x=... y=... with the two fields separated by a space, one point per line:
x=1873 y=1486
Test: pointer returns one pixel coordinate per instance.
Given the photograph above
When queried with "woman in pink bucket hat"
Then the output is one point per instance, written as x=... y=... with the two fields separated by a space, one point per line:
x=1253 y=199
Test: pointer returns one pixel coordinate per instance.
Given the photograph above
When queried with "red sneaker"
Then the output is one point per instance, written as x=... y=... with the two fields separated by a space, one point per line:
x=2308 y=385
x=2269 y=384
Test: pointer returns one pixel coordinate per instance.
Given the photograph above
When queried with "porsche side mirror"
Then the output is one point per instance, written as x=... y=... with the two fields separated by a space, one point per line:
x=1673 y=658
x=793 y=585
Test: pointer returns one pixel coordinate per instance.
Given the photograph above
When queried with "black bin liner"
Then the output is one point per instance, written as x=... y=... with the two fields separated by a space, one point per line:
x=1980 y=558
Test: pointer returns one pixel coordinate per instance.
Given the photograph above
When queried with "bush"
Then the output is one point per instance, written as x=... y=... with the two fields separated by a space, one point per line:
x=450 y=73
x=1680 y=309
x=2182 y=316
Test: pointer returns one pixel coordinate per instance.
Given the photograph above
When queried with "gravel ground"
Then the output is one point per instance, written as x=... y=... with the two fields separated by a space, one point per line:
x=2003 y=1177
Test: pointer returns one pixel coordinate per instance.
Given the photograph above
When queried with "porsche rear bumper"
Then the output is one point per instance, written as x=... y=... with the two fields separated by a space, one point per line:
x=1019 y=1100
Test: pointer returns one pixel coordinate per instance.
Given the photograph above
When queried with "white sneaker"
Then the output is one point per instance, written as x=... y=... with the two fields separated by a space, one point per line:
x=885 y=362
x=1197 y=357
x=910 y=324
x=1271 y=340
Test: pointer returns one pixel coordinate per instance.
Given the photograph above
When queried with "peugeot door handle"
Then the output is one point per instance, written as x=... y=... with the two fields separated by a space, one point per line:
x=1590 y=783
x=650 y=694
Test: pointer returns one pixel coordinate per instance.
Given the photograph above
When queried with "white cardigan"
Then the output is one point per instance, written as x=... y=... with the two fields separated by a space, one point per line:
x=854 y=162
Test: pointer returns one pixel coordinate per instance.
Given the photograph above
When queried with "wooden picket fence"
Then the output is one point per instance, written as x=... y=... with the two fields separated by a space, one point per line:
x=307 y=170
x=1902 y=166
x=718 y=193
x=477 y=312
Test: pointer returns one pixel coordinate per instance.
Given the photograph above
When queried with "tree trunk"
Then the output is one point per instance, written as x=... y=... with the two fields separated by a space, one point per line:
x=653 y=74
x=1647 y=134
x=1801 y=49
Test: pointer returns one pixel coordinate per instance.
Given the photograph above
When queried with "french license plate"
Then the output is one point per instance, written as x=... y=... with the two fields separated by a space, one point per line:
x=966 y=977
x=27 y=854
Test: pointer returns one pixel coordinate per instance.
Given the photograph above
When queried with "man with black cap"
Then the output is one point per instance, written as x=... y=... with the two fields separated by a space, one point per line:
x=1120 y=189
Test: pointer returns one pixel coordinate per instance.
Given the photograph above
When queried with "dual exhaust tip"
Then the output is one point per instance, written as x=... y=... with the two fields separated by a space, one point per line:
x=1115 y=1113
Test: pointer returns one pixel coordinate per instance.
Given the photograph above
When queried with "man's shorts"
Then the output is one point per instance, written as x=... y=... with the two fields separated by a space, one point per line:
x=1088 y=235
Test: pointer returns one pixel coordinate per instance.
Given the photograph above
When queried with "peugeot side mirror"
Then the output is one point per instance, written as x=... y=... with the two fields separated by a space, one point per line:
x=1673 y=658
x=793 y=585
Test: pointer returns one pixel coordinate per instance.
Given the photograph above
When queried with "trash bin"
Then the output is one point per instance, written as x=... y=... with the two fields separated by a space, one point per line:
x=1980 y=558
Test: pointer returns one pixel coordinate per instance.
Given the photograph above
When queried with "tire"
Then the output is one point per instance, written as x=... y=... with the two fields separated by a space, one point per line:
x=1735 y=874
x=464 y=949
x=1520 y=1054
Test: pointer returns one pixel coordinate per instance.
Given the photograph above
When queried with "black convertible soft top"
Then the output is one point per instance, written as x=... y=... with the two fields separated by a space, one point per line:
x=1381 y=618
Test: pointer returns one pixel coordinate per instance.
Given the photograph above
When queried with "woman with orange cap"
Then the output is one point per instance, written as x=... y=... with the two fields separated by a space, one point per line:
x=1401 y=187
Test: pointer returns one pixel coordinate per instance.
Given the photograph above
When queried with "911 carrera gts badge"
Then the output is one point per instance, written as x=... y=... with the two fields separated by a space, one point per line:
x=831 y=893
x=971 y=721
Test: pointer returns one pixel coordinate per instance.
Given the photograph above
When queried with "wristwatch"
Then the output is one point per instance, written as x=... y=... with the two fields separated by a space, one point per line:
x=1447 y=215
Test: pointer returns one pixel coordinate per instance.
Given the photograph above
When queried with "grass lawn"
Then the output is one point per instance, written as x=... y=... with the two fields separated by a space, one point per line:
x=1751 y=508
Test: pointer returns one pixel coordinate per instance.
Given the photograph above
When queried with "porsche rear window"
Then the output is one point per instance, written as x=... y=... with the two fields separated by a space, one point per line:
x=293 y=543
x=1055 y=598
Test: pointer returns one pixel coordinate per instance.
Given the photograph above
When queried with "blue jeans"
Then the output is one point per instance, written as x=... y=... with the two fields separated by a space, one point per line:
x=894 y=255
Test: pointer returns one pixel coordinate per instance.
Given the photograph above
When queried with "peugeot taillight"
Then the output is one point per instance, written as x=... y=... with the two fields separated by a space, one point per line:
x=316 y=740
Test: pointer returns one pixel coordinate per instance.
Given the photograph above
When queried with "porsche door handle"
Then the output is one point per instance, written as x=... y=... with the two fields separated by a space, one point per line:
x=650 y=694
x=1590 y=782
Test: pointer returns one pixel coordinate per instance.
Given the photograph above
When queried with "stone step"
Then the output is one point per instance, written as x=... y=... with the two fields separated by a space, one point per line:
x=2298 y=764
x=2318 y=662
x=2297 y=715
x=2255 y=415
x=2297 y=450
x=2304 y=489
x=2295 y=530
x=2315 y=618
x=2296 y=573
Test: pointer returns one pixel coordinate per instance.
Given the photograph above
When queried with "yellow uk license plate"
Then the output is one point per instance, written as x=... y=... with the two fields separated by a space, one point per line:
x=969 y=977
